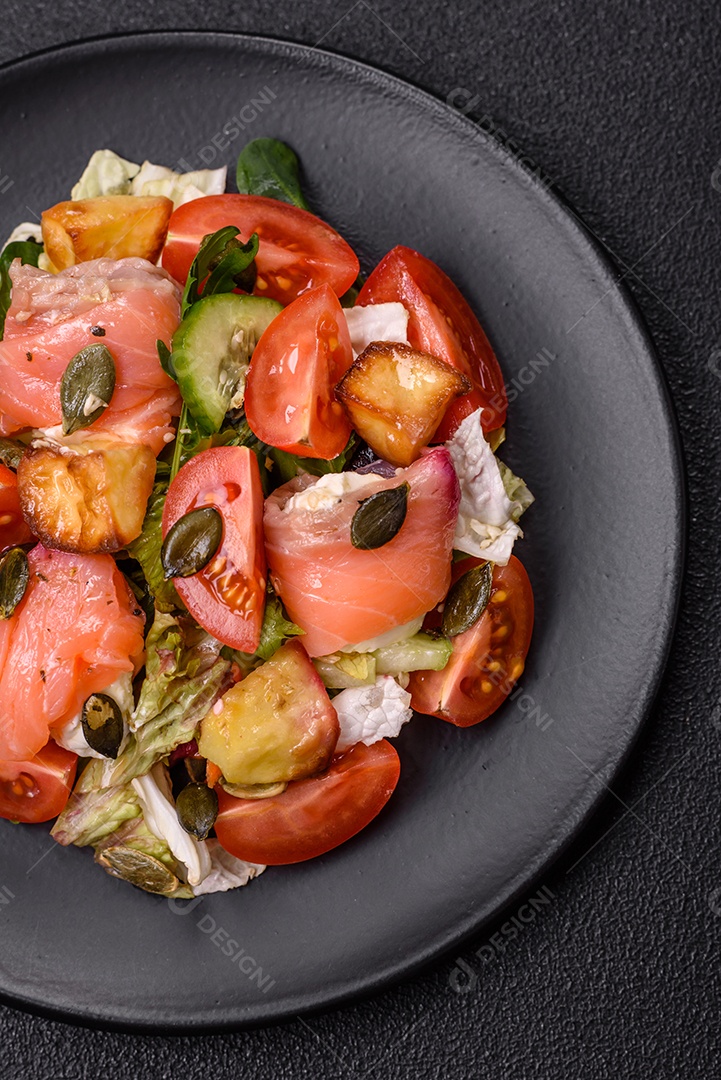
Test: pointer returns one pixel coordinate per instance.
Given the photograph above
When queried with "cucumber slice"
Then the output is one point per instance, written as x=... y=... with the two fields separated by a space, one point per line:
x=418 y=653
x=211 y=350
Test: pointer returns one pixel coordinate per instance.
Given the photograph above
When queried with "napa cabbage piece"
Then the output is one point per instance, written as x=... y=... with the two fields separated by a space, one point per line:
x=487 y=517
x=369 y=713
x=109 y=174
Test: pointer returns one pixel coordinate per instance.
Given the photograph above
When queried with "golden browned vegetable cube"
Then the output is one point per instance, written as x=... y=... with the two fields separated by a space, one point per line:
x=278 y=724
x=86 y=497
x=110 y=226
x=395 y=397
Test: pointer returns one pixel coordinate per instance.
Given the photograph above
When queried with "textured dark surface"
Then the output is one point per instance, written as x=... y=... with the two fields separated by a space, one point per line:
x=619 y=973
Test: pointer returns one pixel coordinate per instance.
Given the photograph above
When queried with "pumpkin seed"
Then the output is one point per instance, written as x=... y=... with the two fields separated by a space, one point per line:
x=191 y=542
x=195 y=768
x=197 y=807
x=14 y=578
x=467 y=600
x=11 y=452
x=379 y=518
x=86 y=387
x=254 y=791
x=139 y=869
x=103 y=724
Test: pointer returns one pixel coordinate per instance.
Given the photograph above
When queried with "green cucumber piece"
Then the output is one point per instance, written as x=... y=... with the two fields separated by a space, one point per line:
x=418 y=653
x=211 y=350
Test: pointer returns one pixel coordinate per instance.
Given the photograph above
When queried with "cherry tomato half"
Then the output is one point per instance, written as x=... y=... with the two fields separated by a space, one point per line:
x=13 y=530
x=311 y=816
x=227 y=597
x=37 y=789
x=442 y=323
x=290 y=398
x=487 y=659
x=297 y=250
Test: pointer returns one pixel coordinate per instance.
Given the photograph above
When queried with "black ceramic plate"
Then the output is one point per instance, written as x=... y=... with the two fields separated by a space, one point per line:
x=478 y=813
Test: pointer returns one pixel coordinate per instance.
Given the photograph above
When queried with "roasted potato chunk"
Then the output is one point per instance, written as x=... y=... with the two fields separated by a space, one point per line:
x=395 y=398
x=87 y=497
x=112 y=226
x=277 y=724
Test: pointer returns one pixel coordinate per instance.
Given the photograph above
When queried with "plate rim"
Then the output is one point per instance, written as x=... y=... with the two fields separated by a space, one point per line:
x=567 y=832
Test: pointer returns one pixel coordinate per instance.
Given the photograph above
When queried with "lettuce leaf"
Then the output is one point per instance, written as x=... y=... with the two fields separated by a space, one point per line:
x=185 y=673
x=145 y=549
x=94 y=812
x=106 y=173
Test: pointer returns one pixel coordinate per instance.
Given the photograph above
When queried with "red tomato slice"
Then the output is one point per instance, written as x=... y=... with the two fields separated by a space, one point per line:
x=227 y=597
x=442 y=323
x=297 y=250
x=290 y=389
x=311 y=816
x=37 y=789
x=13 y=530
x=488 y=659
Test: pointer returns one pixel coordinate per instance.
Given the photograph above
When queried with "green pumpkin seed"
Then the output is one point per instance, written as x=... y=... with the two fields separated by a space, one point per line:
x=379 y=518
x=191 y=542
x=139 y=869
x=11 y=452
x=467 y=600
x=254 y=791
x=197 y=807
x=86 y=387
x=195 y=768
x=14 y=578
x=103 y=725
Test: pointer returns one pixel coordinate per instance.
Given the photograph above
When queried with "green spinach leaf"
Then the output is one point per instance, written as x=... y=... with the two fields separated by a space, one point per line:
x=268 y=167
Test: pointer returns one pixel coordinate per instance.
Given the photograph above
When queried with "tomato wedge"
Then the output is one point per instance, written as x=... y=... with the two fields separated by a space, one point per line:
x=488 y=659
x=441 y=323
x=37 y=789
x=13 y=530
x=311 y=816
x=290 y=398
x=227 y=597
x=297 y=250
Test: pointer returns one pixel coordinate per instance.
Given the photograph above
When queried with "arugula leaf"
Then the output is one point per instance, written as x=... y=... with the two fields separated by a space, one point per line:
x=289 y=465
x=225 y=261
x=28 y=252
x=234 y=268
x=165 y=357
x=145 y=549
x=269 y=167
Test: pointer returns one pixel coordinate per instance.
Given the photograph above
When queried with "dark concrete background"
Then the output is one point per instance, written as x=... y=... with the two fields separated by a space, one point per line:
x=619 y=104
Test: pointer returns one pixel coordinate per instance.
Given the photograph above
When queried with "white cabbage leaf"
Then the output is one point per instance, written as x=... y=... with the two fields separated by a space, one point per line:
x=486 y=525
x=369 y=713
x=161 y=817
x=226 y=872
x=376 y=322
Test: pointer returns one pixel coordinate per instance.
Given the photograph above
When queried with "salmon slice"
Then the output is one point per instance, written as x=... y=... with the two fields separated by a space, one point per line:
x=77 y=629
x=340 y=594
x=52 y=317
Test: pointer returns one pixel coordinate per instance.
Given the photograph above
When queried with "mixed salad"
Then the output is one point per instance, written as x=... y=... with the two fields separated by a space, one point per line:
x=251 y=516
